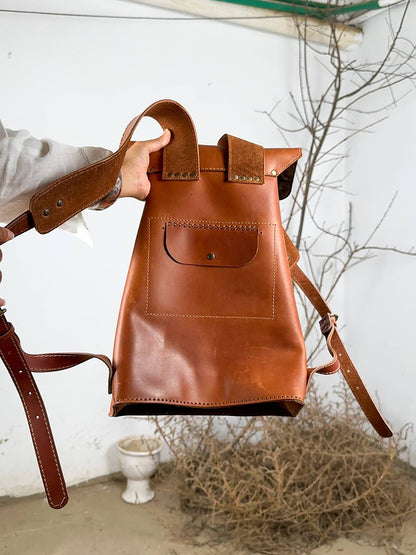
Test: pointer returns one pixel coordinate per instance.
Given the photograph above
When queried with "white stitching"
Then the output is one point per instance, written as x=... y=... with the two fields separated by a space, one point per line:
x=85 y=358
x=148 y=269
x=166 y=218
x=274 y=271
x=212 y=405
x=32 y=429
x=281 y=169
x=267 y=174
x=209 y=316
x=203 y=315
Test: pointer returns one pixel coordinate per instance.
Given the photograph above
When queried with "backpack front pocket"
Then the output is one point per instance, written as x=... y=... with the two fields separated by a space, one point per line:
x=210 y=269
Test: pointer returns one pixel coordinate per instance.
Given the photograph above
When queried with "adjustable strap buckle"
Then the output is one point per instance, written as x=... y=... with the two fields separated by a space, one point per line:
x=327 y=323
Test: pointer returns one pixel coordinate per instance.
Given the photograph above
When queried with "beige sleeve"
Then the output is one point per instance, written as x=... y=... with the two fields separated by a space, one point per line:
x=28 y=164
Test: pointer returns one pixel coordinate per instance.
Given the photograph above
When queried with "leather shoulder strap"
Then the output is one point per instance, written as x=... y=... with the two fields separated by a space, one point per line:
x=20 y=366
x=72 y=193
x=341 y=359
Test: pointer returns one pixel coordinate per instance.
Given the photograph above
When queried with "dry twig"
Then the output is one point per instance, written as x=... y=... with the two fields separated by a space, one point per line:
x=274 y=485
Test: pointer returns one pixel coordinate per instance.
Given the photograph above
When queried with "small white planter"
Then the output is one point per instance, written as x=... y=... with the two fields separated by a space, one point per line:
x=139 y=459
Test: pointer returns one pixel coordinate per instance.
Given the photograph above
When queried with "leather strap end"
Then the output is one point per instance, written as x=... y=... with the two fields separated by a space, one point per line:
x=338 y=351
x=22 y=223
x=71 y=194
x=245 y=160
x=44 y=445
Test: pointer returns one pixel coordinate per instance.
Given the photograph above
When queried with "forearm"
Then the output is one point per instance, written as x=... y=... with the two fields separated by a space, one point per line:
x=28 y=165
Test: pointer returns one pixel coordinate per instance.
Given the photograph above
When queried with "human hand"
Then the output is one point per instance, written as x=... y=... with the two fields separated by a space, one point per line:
x=135 y=182
x=5 y=235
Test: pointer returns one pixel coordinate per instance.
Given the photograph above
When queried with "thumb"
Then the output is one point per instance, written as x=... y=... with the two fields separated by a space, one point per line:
x=156 y=144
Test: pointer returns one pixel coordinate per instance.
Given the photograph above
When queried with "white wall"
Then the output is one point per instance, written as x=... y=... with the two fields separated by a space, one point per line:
x=380 y=294
x=80 y=81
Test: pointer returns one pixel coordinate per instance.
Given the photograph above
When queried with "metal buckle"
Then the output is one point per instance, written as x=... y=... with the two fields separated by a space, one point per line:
x=328 y=322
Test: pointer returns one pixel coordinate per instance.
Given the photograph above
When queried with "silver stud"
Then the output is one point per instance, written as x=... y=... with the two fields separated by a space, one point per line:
x=274 y=173
x=37 y=417
x=59 y=203
x=257 y=179
x=235 y=177
x=185 y=174
x=192 y=174
x=170 y=174
x=46 y=212
x=20 y=371
x=176 y=174
x=249 y=178
x=29 y=393
x=210 y=256
x=242 y=177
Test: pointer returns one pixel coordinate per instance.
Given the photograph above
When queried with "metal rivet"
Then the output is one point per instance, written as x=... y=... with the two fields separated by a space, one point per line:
x=177 y=174
x=242 y=177
x=29 y=393
x=192 y=174
x=20 y=371
x=152 y=169
x=249 y=178
x=170 y=174
x=235 y=176
x=210 y=256
x=274 y=173
x=185 y=174
x=37 y=417
x=257 y=178
x=59 y=202
x=46 y=212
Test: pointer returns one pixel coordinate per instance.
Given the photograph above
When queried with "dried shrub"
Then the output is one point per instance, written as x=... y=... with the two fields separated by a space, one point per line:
x=275 y=485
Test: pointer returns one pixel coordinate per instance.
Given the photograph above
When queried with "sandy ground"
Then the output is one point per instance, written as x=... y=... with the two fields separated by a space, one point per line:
x=96 y=520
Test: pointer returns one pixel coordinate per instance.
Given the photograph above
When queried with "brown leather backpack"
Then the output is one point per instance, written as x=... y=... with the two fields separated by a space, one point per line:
x=208 y=322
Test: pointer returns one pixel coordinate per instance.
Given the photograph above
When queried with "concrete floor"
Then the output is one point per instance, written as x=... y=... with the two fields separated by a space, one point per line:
x=97 y=521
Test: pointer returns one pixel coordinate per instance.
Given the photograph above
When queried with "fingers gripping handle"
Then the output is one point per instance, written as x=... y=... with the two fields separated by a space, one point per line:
x=78 y=190
x=181 y=155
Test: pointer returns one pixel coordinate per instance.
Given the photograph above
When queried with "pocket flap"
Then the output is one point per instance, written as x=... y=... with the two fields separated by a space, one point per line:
x=226 y=245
